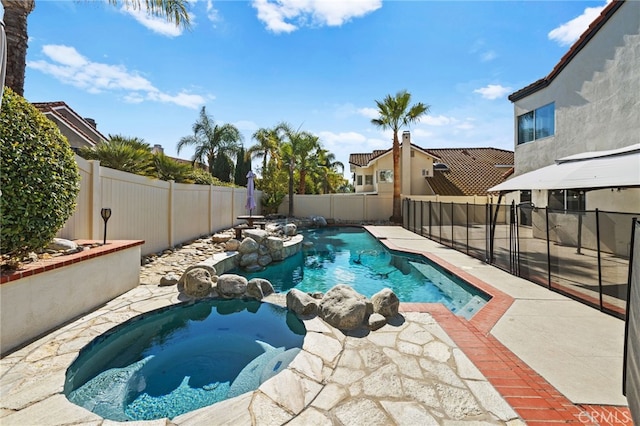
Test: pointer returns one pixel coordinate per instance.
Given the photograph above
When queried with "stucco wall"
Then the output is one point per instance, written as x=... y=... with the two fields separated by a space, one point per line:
x=597 y=96
x=38 y=303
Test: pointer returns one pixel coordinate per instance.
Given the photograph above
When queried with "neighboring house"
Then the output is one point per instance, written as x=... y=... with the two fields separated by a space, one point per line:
x=585 y=114
x=447 y=171
x=78 y=130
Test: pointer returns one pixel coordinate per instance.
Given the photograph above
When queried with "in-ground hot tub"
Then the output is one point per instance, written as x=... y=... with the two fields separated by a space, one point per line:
x=180 y=358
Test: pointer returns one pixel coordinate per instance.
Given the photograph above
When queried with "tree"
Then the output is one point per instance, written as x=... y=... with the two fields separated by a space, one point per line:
x=394 y=113
x=243 y=165
x=297 y=151
x=129 y=154
x=211 y=140
x=39 y=178
x=329 y=177
x=166 y=168
x=267 y=146
x=15 y=20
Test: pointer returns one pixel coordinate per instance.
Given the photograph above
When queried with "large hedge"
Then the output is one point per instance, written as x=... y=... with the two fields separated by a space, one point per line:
x=38 y=176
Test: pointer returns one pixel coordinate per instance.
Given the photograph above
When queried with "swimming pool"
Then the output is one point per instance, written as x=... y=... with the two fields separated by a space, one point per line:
x=352 y=256
x=174 y=360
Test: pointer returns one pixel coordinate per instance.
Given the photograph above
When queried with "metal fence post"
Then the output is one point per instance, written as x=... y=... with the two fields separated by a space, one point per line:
x=546 y=212
x=421 y=218
x=440 y=220
x=453 y=238
x=599 y=258
x=467 y=210
x=430 y=218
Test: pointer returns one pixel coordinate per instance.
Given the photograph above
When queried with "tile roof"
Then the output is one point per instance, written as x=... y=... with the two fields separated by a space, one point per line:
x=362 y=159
x=51 y=108
x=471 y=170
x=595 y=26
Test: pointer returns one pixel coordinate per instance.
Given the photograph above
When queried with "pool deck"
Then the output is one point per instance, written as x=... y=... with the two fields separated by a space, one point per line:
x=529 y=356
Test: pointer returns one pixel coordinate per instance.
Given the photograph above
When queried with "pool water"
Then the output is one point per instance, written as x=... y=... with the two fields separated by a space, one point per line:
x=352 y=256
x=174 y=360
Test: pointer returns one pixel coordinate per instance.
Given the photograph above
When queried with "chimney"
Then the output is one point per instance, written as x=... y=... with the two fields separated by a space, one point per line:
x=406 y=137
x=91 y=121
x=157 y=149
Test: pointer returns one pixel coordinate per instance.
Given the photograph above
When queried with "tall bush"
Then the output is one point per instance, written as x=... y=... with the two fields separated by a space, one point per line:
x=38 y=175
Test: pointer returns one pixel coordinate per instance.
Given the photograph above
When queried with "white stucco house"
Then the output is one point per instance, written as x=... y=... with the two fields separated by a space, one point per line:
x=79 y=131
x=432 y=171
x=577 y=130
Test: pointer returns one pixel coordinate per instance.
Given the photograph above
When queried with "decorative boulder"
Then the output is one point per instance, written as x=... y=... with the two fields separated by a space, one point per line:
x=265 y=285
x=60 y=244
x=257 y=235
x=232 y=245
x=249 y=259
x=220 y=238
x=319 y=221
x=376 y=321
x=248 y=245
x=169 y=279
x=343 y=307
x=386 y=303
x=290 y=229
x=197 y=282
x=254 y=290
x=264 y=260
x=231 y=286
x=301 y=303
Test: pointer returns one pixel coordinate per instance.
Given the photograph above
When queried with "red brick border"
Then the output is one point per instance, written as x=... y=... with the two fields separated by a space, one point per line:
x=43 y=265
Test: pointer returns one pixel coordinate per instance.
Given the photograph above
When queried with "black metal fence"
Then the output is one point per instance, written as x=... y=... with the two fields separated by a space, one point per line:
x=583 y=255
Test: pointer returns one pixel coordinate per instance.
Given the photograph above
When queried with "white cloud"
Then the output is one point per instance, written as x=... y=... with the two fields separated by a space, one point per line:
x=571 y=31
x=369 y=112
x=488 y=56
x=157 y=24
x=70 y=67
x=479 y=48
x=439 y=120
x=285 y=16
x=212 y=12
x=342 y=138
x=493 y=91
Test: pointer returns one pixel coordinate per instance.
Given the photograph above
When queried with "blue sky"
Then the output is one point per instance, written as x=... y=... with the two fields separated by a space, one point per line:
x=317 y=64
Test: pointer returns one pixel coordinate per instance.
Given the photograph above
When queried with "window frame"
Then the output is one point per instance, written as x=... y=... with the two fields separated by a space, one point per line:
x=385 y=176
x=368 y=180
x=536 y=124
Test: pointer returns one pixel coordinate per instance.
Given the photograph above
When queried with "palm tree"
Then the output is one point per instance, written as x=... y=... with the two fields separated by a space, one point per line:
x=267 y=146
x=328 y=169
x=211 y=140
x=166 y=168
x=15 y=20
x=394 y=112
x=130 y=155
x=296 y=152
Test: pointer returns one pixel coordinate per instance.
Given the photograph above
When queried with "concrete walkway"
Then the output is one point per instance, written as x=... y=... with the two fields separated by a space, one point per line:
x=576 y=348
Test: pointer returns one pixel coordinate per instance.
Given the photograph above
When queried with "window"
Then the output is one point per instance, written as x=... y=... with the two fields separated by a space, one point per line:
x=385 y=176
x=368 y=179
x=567 y=199
x=359 y=180
x=536 y=124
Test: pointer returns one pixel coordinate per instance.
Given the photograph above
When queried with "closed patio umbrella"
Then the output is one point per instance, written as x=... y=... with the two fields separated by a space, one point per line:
x=251 y=201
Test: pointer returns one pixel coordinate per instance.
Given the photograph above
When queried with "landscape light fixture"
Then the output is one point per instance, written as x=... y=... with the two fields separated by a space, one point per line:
x=106 y=214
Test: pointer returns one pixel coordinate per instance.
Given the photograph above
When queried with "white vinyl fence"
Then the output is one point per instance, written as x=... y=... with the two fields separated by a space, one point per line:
x=161 y=213
x=346 y=207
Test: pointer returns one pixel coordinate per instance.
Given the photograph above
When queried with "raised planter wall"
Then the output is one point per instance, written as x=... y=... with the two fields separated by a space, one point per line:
x=51 y=292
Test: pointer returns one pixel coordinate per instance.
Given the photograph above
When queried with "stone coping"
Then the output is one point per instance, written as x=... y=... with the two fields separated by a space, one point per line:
x=44 y=265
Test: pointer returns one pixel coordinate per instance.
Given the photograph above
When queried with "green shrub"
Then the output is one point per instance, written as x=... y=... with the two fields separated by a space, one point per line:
x=271 y=202
x=38 y=176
